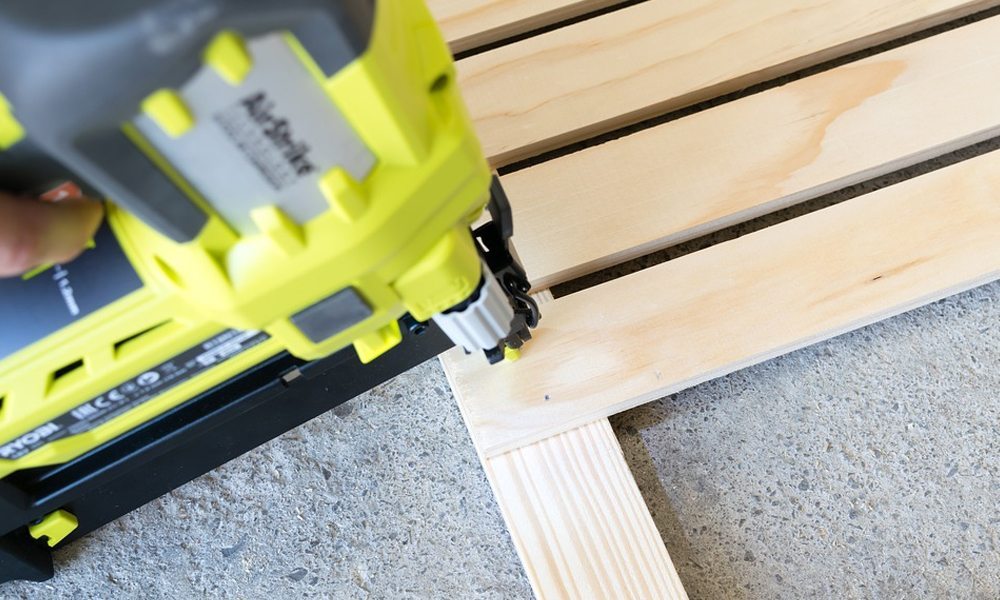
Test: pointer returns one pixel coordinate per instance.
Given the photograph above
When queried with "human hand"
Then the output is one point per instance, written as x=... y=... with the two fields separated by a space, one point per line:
x=34 y=233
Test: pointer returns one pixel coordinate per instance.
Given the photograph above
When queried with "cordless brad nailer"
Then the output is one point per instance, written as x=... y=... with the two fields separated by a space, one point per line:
x=293 y=176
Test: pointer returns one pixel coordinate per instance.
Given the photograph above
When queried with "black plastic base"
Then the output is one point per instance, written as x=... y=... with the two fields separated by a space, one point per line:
x=187 y=442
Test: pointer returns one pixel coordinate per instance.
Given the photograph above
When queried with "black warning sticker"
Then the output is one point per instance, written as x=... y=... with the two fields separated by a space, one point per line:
x=135 y=391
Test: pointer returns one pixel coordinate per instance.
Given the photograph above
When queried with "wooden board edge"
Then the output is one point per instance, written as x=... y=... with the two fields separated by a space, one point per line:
x=539 y=17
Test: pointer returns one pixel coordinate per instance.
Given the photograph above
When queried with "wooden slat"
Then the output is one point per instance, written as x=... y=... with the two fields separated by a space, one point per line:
x=578 y=520
x=589 y=210
x=638 y=338
x=468 y=24
x=659 y=55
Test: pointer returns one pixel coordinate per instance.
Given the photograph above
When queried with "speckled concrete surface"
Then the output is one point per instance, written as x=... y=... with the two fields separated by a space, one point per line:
x=864 y=467
x=383 y=498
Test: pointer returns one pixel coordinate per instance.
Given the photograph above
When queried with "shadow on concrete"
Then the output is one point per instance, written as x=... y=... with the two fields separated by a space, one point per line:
x=669 y=526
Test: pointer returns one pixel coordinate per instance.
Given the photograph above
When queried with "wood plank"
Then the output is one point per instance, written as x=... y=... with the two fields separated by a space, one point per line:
x=469 y=24
x=762 y=153
x=578 y=520
x=659 y=55
x=612 y=347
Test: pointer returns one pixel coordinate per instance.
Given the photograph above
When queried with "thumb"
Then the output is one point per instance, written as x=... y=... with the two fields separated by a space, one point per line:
x=34 y=233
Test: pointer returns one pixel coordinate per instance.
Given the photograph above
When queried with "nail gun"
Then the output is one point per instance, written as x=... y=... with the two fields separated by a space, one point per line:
x=281 y=177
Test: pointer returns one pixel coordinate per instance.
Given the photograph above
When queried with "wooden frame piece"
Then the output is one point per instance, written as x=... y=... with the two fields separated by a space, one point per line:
x=540 y=427
x=469 y=24
x=578 y=520
x=660 y=55
x=759 y=154
x=576 y=516
x=655 y=332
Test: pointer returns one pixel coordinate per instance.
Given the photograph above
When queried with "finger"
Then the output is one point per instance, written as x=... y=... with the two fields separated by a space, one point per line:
x=34 y=233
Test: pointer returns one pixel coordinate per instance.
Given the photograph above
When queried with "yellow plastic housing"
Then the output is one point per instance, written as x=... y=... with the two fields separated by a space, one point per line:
x=54 y=527
x=11 y=131
x=400 y=238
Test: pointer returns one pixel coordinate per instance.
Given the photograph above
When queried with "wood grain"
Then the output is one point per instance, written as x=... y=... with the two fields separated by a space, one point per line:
x=469 y=24
x=631 y=196
x=612 y=347
x=576 y=516
x=578 y=520
x=621 y=67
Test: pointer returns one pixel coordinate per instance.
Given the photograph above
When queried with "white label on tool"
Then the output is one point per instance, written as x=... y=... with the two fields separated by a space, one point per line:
x=264 y=142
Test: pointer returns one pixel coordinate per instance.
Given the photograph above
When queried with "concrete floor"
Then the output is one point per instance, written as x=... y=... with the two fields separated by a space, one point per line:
x=864 y=467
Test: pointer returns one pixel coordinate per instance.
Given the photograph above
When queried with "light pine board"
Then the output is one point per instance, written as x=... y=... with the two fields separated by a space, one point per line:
x=686 y=178
x=602 y=73
x=578 y=520
x=468 y=24
x=615 y=346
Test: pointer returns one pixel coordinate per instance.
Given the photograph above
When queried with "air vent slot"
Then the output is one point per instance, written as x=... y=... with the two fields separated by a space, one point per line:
x=64 y=374
x=66 y=370
x=120 y=345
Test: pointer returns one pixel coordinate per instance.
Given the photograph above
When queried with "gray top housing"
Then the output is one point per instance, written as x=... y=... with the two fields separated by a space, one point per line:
x=76 y=71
